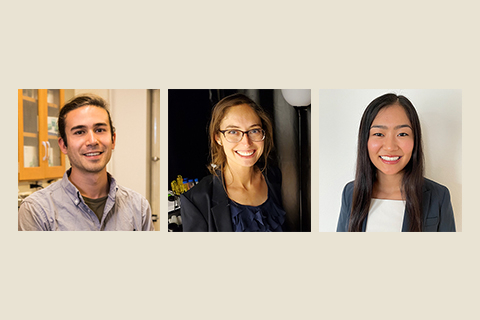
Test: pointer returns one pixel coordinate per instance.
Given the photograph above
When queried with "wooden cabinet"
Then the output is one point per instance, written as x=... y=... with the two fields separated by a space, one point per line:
x=39 y=156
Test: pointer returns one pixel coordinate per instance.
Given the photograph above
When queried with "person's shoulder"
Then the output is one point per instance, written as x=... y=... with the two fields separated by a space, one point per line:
x=348 y=189
x=205 y=186
x=430 y=185
x=129 y=193
x=42 y=196
x=130 y=202
x=208 y=180
x=38 y=209
x=435 y=188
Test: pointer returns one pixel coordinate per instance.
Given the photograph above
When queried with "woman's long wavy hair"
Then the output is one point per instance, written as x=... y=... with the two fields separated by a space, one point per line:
x=366 y=172
x=218 y=157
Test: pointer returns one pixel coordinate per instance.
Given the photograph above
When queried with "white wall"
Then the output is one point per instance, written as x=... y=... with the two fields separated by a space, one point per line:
x=440 y=113
x=129 y=161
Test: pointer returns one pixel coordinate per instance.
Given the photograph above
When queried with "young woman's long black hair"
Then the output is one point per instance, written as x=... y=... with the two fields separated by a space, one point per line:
x=366 y=172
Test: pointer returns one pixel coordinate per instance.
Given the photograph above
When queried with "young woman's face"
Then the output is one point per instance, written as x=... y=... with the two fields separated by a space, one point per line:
x=390 y=143
x=246 y=152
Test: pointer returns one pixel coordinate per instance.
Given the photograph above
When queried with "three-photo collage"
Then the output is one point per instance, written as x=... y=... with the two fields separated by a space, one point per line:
x=240 y=160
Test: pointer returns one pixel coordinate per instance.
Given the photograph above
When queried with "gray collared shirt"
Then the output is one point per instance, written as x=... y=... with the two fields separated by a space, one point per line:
x=60 y=207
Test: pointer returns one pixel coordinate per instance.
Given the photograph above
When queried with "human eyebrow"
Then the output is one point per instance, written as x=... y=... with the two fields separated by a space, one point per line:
x=403 y=126
x=83 y=127
x=100 y=124
x=396 y=127
x=253 y=126
x=379 y=127
x=78 y=127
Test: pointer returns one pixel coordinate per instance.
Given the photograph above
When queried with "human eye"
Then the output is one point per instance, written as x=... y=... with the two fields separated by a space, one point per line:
x=78 y=132
x=255 y=131
x=403 y=134
x=100 y=130
x=377 y=134
x=233 y=132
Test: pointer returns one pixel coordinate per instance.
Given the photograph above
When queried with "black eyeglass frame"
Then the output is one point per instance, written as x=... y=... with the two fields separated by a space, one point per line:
x=243 y=134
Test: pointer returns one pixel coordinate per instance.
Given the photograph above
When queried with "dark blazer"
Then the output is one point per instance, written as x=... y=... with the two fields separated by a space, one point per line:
x=437 y=209
x=205 y=207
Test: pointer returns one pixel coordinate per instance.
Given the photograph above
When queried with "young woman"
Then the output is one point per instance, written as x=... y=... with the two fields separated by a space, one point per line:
x=241 y=194
x=390 y=192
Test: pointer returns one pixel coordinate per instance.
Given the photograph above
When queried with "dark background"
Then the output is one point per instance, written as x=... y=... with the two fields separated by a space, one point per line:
x=189 y=114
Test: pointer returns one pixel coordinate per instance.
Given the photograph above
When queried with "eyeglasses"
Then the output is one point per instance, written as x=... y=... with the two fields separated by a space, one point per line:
x=235 y=135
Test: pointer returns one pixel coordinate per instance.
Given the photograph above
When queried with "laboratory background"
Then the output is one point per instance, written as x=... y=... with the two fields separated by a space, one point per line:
x=135 y=161
x=189 y=114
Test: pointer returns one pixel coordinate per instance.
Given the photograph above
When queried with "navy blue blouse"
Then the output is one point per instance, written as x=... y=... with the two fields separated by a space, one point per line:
x=266 y=217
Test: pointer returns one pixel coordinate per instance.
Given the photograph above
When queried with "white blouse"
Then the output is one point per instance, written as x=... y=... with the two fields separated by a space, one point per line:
x=385 y=215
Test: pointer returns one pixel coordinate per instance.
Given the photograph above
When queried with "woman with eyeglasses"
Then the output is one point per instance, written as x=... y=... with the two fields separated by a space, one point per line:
x=241 y=195
x=390 y=192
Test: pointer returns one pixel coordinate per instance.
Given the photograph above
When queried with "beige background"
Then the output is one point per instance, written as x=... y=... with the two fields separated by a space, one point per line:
x=255 y=44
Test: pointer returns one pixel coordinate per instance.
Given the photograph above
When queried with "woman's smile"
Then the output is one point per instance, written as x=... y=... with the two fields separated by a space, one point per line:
x=390 y=159
x=245 y=154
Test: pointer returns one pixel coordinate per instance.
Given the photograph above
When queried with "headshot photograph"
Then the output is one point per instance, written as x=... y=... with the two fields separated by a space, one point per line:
x=82 y=166
x=390 y=160
x=239 y=160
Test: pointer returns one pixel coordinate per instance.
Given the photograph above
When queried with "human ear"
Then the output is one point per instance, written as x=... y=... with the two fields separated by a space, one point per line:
x=217 y=138
x=62 y=146
x=114 y=139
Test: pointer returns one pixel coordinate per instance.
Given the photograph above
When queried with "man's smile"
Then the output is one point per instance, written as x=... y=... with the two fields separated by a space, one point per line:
x=93 y=155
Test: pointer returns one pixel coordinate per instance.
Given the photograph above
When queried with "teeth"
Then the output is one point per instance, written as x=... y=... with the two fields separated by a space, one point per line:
x=92 y=154
x=245 y=154
x=389 y=158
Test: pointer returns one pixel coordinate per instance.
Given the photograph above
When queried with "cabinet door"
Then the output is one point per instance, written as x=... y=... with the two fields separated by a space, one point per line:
x=55 y=165
x=30 y=148
x=39 y=156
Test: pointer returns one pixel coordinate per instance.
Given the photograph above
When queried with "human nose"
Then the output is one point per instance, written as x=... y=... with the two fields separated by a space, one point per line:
x=390 y=143
x=246 y=139
x=92 y=138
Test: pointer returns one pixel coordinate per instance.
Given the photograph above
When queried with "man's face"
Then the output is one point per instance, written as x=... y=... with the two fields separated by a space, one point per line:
x=89 y=139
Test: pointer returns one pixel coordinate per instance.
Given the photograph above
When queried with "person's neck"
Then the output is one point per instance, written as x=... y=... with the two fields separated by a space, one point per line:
x=243 y=177
x=388 y=186
x=92 y=185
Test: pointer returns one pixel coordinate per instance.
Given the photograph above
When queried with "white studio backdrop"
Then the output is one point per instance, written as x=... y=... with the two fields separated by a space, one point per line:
x=440 y=113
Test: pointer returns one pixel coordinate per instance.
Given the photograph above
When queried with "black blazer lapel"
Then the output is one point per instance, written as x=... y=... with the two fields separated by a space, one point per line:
x=425 y=207
x=406 y=221
x=426 y=202
x=221 y=215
